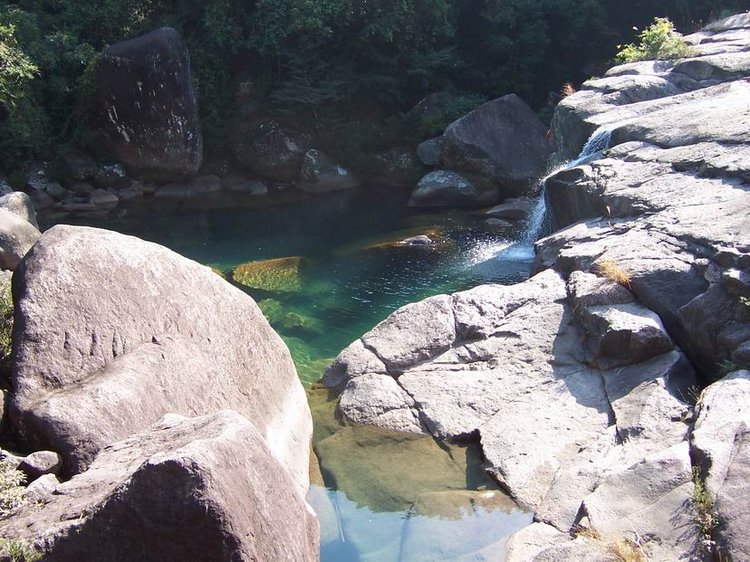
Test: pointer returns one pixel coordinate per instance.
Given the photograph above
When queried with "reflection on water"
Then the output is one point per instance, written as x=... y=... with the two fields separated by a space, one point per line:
x=389 y=498
x=466 y=526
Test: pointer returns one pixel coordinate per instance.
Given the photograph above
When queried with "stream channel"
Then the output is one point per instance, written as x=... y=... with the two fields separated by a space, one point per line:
x=380 y=496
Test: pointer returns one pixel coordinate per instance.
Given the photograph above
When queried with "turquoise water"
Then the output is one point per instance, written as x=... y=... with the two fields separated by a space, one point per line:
x=354 y=275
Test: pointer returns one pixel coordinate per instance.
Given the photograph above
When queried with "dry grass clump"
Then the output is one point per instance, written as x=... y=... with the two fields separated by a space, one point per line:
x=621 y=548
x=612 y=271
x=568 y=89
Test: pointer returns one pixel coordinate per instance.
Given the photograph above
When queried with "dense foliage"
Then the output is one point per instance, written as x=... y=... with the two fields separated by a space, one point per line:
x=338 y=66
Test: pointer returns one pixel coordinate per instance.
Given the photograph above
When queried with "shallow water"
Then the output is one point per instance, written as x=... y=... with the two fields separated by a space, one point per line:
x=386 y=498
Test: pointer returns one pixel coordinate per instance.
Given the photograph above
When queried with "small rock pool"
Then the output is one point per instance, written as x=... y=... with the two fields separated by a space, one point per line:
x=380 y=496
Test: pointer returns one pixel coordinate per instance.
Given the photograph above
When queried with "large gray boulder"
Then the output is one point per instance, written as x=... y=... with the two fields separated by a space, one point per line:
x=17 y=236
x=112 y=333
x=185 y=489
x=505 y=365
x=20 y=204
x=501 y=144
x=148 y=111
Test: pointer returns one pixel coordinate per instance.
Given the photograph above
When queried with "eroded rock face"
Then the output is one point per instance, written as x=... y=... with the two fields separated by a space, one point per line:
x=95 y=365
x=148 y=107
x=205 y=488
x=501 y=144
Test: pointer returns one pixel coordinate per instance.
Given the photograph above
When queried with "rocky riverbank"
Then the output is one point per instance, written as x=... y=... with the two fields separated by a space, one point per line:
x=606 y=392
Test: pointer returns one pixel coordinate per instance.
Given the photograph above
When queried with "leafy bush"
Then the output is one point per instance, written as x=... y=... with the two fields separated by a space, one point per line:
x=659 y=41
x=18 y=551
x=6 y=328
x=11 y=489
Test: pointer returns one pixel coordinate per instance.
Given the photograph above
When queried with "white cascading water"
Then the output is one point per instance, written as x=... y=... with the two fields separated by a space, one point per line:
x=598 y=142
x=538 y=220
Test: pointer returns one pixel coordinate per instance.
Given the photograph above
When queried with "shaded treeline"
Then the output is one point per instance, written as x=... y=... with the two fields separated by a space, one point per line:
x=348 y=68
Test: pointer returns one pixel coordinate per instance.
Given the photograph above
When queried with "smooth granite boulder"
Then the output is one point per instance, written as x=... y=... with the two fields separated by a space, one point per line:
x=112 y=333
x=17 y=236
x=185 y=489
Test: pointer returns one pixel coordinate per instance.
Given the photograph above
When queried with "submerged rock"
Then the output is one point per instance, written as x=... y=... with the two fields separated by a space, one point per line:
x=288 y=320
x=455 y=524
x=148 y=110
x=352 y=460
x=280 y=275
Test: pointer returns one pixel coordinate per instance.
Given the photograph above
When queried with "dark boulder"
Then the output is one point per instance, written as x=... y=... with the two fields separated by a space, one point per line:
x=446 y=188
x=148 y=112
x=271 y=151
x=320 y=174
x=501 y=144
x=396 y=167
x=429 y=151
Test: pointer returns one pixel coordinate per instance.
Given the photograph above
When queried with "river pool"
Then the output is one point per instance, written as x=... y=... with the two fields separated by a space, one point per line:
x=381 y=496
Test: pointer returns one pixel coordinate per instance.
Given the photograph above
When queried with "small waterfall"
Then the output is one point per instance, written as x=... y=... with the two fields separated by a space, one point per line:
x=538 y=223
x=598 y=142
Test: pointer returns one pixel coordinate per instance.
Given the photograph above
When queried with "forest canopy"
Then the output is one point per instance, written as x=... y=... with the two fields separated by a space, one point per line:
x=322 y=63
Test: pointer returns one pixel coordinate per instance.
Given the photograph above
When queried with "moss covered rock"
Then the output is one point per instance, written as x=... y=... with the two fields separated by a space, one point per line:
x=280 y=275
x=289 y=321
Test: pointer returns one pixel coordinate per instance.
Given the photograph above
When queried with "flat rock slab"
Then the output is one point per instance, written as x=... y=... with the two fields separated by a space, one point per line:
x=505 y=365
x=206 y=488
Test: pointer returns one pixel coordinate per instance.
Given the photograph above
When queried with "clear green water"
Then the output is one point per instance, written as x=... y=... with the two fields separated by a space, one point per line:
x=353 y=277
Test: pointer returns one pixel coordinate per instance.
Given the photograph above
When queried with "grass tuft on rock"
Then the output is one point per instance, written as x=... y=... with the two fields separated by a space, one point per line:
x=621 y=548
x=704 y=510
x=612 y=271
x=17 y=550
x=12 y=491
